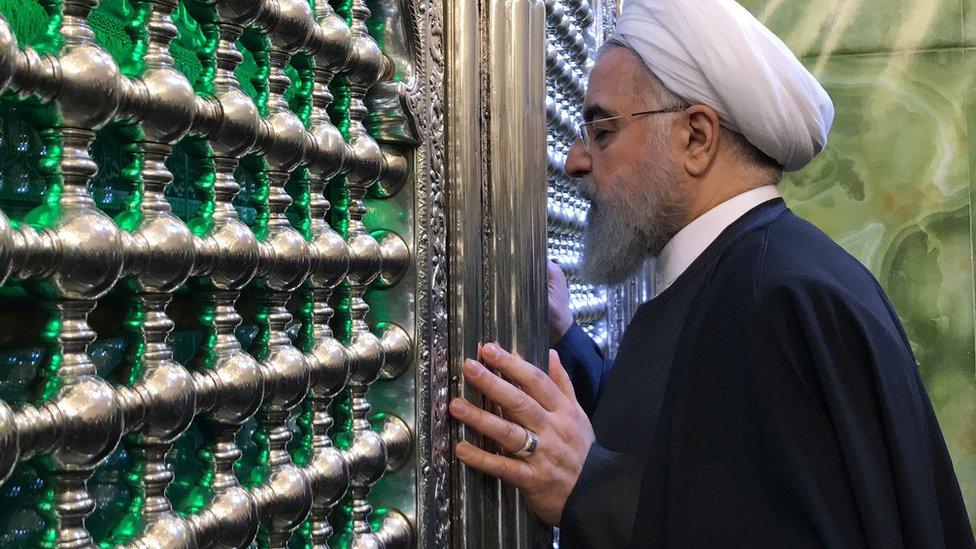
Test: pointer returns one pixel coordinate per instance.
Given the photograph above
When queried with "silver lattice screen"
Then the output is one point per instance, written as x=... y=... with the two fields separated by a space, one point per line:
x=211 y=213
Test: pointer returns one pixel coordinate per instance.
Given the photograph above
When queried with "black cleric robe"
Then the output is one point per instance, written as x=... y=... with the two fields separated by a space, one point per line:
x=768 y=398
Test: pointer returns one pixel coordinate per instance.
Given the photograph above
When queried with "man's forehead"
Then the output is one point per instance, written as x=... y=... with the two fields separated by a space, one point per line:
x=612 y=83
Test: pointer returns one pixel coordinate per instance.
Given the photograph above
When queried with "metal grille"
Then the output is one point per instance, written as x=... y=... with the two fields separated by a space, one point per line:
x=276 y=267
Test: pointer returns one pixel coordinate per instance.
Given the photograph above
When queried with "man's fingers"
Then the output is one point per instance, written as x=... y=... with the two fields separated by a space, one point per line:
x=510 y=470
x=533 y=381
x=515 y=403
x=554 y=274
x=510 y=436
x=559 y=375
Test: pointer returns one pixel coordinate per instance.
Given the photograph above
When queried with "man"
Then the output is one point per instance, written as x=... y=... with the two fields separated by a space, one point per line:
x=767 y=396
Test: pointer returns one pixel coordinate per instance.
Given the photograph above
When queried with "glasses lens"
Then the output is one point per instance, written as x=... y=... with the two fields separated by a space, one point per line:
x=583 y=135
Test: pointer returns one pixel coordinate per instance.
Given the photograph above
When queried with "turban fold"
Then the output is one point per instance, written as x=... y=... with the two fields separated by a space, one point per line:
x=714 y=52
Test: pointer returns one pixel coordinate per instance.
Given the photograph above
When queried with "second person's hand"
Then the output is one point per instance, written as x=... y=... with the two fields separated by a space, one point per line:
x=560 y=317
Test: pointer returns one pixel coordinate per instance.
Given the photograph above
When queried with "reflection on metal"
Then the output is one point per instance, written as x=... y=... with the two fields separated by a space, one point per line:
x=395 y=531
x=388 y=101
x=397 y=350
x=396 y=436
x=473 y=519
x=395 y=176
x=395 y=258
x=497 y=135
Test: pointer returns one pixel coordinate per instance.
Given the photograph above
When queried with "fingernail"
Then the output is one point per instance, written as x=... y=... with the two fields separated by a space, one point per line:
x=457 y=408
x=471 y=368
x=490 y=350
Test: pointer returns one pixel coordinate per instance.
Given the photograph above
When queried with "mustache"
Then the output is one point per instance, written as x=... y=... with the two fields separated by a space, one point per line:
x=587 y=189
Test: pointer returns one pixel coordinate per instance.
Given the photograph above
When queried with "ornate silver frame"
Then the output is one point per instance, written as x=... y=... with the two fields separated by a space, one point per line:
x=431 y=257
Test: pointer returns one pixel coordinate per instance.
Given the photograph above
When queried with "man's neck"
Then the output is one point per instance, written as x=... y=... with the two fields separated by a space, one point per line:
x=713 y=191
x=695 y=237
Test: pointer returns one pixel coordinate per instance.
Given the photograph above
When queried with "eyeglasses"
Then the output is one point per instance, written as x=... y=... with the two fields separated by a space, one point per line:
x=584 y=128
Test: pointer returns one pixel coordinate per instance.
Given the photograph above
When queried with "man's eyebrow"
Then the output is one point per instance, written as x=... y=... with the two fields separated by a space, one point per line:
x=593 y=112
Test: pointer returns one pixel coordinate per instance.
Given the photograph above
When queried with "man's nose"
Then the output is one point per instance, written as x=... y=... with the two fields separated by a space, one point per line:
x=578 y=163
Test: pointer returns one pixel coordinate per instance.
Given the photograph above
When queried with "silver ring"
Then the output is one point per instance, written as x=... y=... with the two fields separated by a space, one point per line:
x=531 y=443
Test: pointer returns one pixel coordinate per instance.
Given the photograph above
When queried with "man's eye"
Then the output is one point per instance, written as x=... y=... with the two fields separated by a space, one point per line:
x=599 y=134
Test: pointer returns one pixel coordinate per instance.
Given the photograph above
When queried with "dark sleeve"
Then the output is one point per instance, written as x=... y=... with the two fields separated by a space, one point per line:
x=583 y=361
x=601 y=509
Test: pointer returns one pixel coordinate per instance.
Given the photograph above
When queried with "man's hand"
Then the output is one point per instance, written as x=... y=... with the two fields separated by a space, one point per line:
x=530 y=399
x=560 y=317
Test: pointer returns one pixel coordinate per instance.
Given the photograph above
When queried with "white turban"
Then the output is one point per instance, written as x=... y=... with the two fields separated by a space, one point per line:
x=714 y=52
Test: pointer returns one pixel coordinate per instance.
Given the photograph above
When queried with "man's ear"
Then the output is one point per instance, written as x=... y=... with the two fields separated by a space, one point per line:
x=702 y=133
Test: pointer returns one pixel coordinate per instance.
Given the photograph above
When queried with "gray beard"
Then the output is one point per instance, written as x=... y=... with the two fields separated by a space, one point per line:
x=621 y=234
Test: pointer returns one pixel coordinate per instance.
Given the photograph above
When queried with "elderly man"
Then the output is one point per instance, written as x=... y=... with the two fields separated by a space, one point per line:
x=767 y=396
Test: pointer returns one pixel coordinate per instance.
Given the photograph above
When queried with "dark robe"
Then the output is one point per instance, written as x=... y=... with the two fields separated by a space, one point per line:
x=768 y=398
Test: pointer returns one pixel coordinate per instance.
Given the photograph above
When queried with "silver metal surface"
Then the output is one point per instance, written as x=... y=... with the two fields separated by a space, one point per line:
x=517 y=167
x=472 y=513
x=497 y=235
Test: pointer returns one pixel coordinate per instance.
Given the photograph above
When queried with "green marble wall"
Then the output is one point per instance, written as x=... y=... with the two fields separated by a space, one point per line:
x=894 y=186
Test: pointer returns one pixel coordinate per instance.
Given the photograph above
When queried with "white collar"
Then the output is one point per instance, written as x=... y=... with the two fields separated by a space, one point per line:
x=685 y=247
